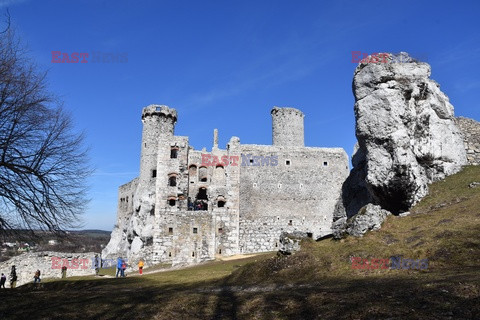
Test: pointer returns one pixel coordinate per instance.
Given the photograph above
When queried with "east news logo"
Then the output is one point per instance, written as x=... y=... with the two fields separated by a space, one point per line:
x=85 y=57
x=389 y=263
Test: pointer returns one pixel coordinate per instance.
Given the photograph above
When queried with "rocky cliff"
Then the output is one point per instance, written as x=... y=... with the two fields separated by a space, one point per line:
x=407 y=137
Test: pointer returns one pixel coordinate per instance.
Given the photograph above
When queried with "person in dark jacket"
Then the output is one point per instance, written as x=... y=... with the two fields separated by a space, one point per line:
x=13 y=278
x=36 y=277
x=3 y=279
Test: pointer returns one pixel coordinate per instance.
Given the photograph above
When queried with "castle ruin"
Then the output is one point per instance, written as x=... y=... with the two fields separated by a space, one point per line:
x=188 y=206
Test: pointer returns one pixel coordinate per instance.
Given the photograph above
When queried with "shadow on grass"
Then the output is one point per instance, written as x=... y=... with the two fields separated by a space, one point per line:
x=413 y=295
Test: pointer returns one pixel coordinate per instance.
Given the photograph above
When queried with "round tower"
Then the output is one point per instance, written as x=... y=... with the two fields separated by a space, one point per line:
x=158 y=122
x=287 y=127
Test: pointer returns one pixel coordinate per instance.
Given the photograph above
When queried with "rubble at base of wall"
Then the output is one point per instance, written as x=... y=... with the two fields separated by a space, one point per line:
x=290 y=242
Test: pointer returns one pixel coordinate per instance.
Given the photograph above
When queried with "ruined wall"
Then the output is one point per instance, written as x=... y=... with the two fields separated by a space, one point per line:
x=170 y=200
x=27 y=264
x=119 y=244
x=471 y=138
x=216 y=227
x=185 y=237
x=298 y=194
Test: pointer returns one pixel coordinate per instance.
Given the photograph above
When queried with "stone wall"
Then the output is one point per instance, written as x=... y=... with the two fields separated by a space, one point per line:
x=471 y=138
x=27 y=264
x=298 y=194
x=187 y=237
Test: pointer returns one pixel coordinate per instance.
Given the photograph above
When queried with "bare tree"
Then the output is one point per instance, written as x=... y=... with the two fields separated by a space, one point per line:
x=43 y=162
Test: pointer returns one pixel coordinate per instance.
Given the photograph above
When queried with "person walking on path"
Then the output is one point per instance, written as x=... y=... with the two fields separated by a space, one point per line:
x=64 y=272
x=36 y=277
x=13 y=278
x=119 y=267
x=124 y=266
x=3 y=279
x=97 y=264
x=140 y=266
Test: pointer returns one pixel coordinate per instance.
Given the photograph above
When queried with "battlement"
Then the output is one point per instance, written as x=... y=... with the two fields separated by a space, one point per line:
x=286 y=112
x=156 y=109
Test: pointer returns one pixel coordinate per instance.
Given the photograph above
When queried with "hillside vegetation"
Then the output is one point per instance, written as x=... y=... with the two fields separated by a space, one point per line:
x=316 y=283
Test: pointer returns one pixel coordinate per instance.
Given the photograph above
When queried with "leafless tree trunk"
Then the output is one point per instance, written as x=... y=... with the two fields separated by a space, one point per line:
x=43 y=162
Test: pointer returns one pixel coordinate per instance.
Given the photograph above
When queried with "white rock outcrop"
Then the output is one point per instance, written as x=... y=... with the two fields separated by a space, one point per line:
x=406 y=132
x=369 y=218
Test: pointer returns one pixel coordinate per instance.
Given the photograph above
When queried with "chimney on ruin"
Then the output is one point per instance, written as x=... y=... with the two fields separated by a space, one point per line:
x=215 y=138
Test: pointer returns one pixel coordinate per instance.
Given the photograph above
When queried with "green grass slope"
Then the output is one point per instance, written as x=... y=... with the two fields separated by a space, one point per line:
x=316 y=283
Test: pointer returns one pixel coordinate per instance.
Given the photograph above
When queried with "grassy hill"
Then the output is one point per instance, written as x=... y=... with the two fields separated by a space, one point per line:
x=316 y=283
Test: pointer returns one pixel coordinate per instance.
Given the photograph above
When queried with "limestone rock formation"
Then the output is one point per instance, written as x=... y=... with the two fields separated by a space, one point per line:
x=369 y=218
x=407 y=136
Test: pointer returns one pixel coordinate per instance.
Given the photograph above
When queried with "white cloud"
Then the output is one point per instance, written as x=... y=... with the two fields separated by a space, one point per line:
x=9 y=3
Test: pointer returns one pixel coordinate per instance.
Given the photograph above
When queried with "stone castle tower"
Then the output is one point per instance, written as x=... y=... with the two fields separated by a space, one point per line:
x=189 y=206
x=287 y=127
x=158 y=123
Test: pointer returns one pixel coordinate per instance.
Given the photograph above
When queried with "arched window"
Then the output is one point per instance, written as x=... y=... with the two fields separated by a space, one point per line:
x=173 y=152
x=219 y=175
x=201 y=200
x=221 y=202
x=172 y=201
x=172 y=181
x=203 y=174
x=202 y=194
x=192 y=172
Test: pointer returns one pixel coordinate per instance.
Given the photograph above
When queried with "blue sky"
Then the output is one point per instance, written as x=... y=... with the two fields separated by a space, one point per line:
x=225 y=64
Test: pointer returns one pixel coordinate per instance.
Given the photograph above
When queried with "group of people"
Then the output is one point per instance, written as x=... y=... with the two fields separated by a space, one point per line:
x=122 y=265
x=13 y=279
x=197 y=205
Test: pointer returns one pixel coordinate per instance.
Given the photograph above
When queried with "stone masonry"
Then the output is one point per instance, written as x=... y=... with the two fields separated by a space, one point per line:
x=189 y=206
x=471 y=138
x=27 y=263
